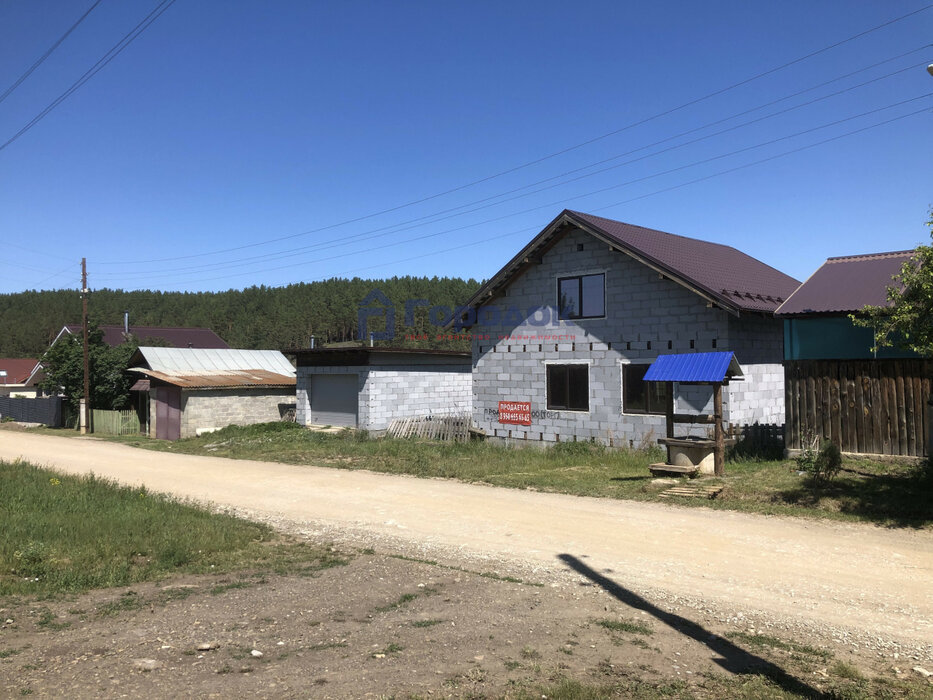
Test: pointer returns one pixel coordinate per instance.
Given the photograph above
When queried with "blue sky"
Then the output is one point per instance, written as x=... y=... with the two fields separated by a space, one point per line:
x=239 y=143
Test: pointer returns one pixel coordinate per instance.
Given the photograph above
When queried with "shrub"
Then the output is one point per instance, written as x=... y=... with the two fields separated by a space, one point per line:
x=822 y=465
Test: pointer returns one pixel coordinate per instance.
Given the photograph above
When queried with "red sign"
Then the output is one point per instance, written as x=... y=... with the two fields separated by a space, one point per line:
x=515 y=412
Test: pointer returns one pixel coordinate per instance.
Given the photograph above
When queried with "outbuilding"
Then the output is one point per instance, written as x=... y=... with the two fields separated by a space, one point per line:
x=187 y=391
x=369 y=387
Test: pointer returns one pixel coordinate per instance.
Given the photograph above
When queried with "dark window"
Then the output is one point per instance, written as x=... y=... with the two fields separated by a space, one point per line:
x=583 y=296
x=568 y=387
x=639 y=396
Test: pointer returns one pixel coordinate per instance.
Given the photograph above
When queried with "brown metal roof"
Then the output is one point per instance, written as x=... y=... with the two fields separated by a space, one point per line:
x=17 y=370
x=728 y=274
x=721 y=274
x=203 y=338
x=226 y=379
x=847 y=284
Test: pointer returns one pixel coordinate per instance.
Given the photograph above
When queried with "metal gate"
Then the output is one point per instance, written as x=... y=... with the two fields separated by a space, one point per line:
x=168 y=412
x=335 y=399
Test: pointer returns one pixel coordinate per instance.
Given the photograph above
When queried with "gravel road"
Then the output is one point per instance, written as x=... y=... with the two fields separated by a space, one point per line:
x=864 y=585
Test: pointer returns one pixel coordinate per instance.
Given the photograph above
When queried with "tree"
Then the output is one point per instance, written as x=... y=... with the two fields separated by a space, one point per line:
x=110 y=383
x=907 y=320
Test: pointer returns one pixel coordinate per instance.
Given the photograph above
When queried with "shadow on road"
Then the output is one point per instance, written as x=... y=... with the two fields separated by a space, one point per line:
x=733 y=658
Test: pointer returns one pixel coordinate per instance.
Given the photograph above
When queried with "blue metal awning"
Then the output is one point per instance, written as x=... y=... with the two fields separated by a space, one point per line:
x=705 y=367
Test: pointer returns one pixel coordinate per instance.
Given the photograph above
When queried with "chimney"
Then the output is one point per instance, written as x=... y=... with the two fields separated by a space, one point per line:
x=126 y=322
x=312 y=342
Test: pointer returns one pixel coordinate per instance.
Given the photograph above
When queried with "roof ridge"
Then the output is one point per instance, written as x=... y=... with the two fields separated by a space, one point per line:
x=657 y=230
x=872 y=256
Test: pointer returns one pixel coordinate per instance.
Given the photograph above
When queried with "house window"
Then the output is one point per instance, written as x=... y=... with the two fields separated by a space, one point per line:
x=568 y=387
x=583 y=296
x=639 y=396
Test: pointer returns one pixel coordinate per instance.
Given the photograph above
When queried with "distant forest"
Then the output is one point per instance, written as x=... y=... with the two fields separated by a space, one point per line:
x=255 y=318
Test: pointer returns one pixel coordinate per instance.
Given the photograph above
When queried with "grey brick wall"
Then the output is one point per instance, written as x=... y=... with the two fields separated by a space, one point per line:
x=646 y=315
x=218 y=408
x=395 y=391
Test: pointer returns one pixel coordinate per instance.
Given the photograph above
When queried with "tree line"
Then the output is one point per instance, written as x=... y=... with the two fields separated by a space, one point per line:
x=258 y=317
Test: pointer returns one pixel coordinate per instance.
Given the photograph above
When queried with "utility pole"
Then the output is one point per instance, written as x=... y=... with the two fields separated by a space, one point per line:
x=86 y=408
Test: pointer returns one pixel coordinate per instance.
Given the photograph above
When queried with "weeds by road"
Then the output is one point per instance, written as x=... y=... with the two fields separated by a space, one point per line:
x=886 y=493
x=67 y=534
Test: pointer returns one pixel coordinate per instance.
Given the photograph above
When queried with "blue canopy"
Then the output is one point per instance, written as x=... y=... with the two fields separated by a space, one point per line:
x=705 y=367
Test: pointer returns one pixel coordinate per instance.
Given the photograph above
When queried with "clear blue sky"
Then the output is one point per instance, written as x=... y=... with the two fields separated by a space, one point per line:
x=229 y=124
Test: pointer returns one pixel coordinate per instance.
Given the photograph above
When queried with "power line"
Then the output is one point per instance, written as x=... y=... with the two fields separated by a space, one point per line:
x=41 y=59
x=117 y=49
x=617 y=186
x=536 y=161
x=378 y=233
x=437 y=217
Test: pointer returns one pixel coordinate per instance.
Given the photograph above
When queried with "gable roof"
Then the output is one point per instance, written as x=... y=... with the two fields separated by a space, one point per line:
x=17 y=370
x=214 y=367
x=721 y=274
x=846 y=284
x=699 y=367
x=175 y=337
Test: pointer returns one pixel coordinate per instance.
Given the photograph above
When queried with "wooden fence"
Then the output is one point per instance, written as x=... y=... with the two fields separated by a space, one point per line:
x=864 y=406
x=115 y=422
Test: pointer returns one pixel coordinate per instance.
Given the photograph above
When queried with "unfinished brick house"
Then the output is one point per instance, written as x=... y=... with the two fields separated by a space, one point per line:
x=564 y=332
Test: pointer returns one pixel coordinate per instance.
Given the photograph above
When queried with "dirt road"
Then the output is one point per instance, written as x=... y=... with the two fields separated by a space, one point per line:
x=871 y=582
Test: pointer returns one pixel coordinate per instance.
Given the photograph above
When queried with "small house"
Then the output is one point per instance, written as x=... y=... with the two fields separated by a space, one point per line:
x=838 y=385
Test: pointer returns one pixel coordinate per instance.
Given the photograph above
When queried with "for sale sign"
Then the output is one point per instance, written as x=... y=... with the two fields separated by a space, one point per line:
x=515 y=412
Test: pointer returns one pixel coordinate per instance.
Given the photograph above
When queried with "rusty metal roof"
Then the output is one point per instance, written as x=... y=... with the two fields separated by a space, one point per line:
x=847 y=284
x=226 y=379
x=701 y=367
x=211 y=360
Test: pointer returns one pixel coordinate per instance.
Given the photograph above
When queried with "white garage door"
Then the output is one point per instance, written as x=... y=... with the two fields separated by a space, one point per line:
x=334 y=399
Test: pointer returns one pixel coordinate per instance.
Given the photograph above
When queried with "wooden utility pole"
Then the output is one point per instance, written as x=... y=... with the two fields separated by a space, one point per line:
x=86 y=409
x=719 y=451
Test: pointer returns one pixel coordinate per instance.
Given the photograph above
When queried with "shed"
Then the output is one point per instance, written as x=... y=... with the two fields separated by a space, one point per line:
x=188 y=391
x=368 y=388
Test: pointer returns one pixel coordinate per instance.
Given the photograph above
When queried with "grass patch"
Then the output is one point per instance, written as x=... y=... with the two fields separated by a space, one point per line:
x=67 y=534
x=760 y=641
x=624 y=626
x=323 y=646
x=425 y=623
x=7 y=653
x=890 y=493
x=484 y=574
x=224 y=587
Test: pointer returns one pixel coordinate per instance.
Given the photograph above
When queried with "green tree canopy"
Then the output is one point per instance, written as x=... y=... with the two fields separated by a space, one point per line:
x=110 y=383
x=907 y=320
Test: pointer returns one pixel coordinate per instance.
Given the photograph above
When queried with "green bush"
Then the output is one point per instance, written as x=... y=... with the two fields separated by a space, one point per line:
x=822 y=465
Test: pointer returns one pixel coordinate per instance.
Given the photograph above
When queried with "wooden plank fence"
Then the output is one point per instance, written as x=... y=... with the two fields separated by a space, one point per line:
x=454 y=428
x=864 y=406
x=115 y=422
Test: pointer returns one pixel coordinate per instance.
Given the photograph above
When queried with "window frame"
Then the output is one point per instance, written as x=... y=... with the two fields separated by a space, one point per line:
x=649 y=409
x=579 y=277
x=566 y=365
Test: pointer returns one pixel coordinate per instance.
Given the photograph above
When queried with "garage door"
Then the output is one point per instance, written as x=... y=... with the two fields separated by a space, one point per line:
x=335 y=399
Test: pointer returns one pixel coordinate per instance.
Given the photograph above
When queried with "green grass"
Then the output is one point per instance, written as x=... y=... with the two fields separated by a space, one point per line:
x=760 y=641
x=893 y=494
x=64 y=534
x=625 y=626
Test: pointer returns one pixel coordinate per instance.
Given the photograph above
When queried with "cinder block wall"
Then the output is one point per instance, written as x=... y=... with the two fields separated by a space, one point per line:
x=646 y=315
x=218 y=408
x=395 y=392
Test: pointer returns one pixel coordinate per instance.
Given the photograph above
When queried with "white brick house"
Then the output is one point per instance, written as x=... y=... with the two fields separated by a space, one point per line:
x=565 y=331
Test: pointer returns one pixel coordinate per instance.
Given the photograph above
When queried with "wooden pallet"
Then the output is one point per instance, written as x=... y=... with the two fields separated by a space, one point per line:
x=662 y=469
x=692 y=491
x=448 y=428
